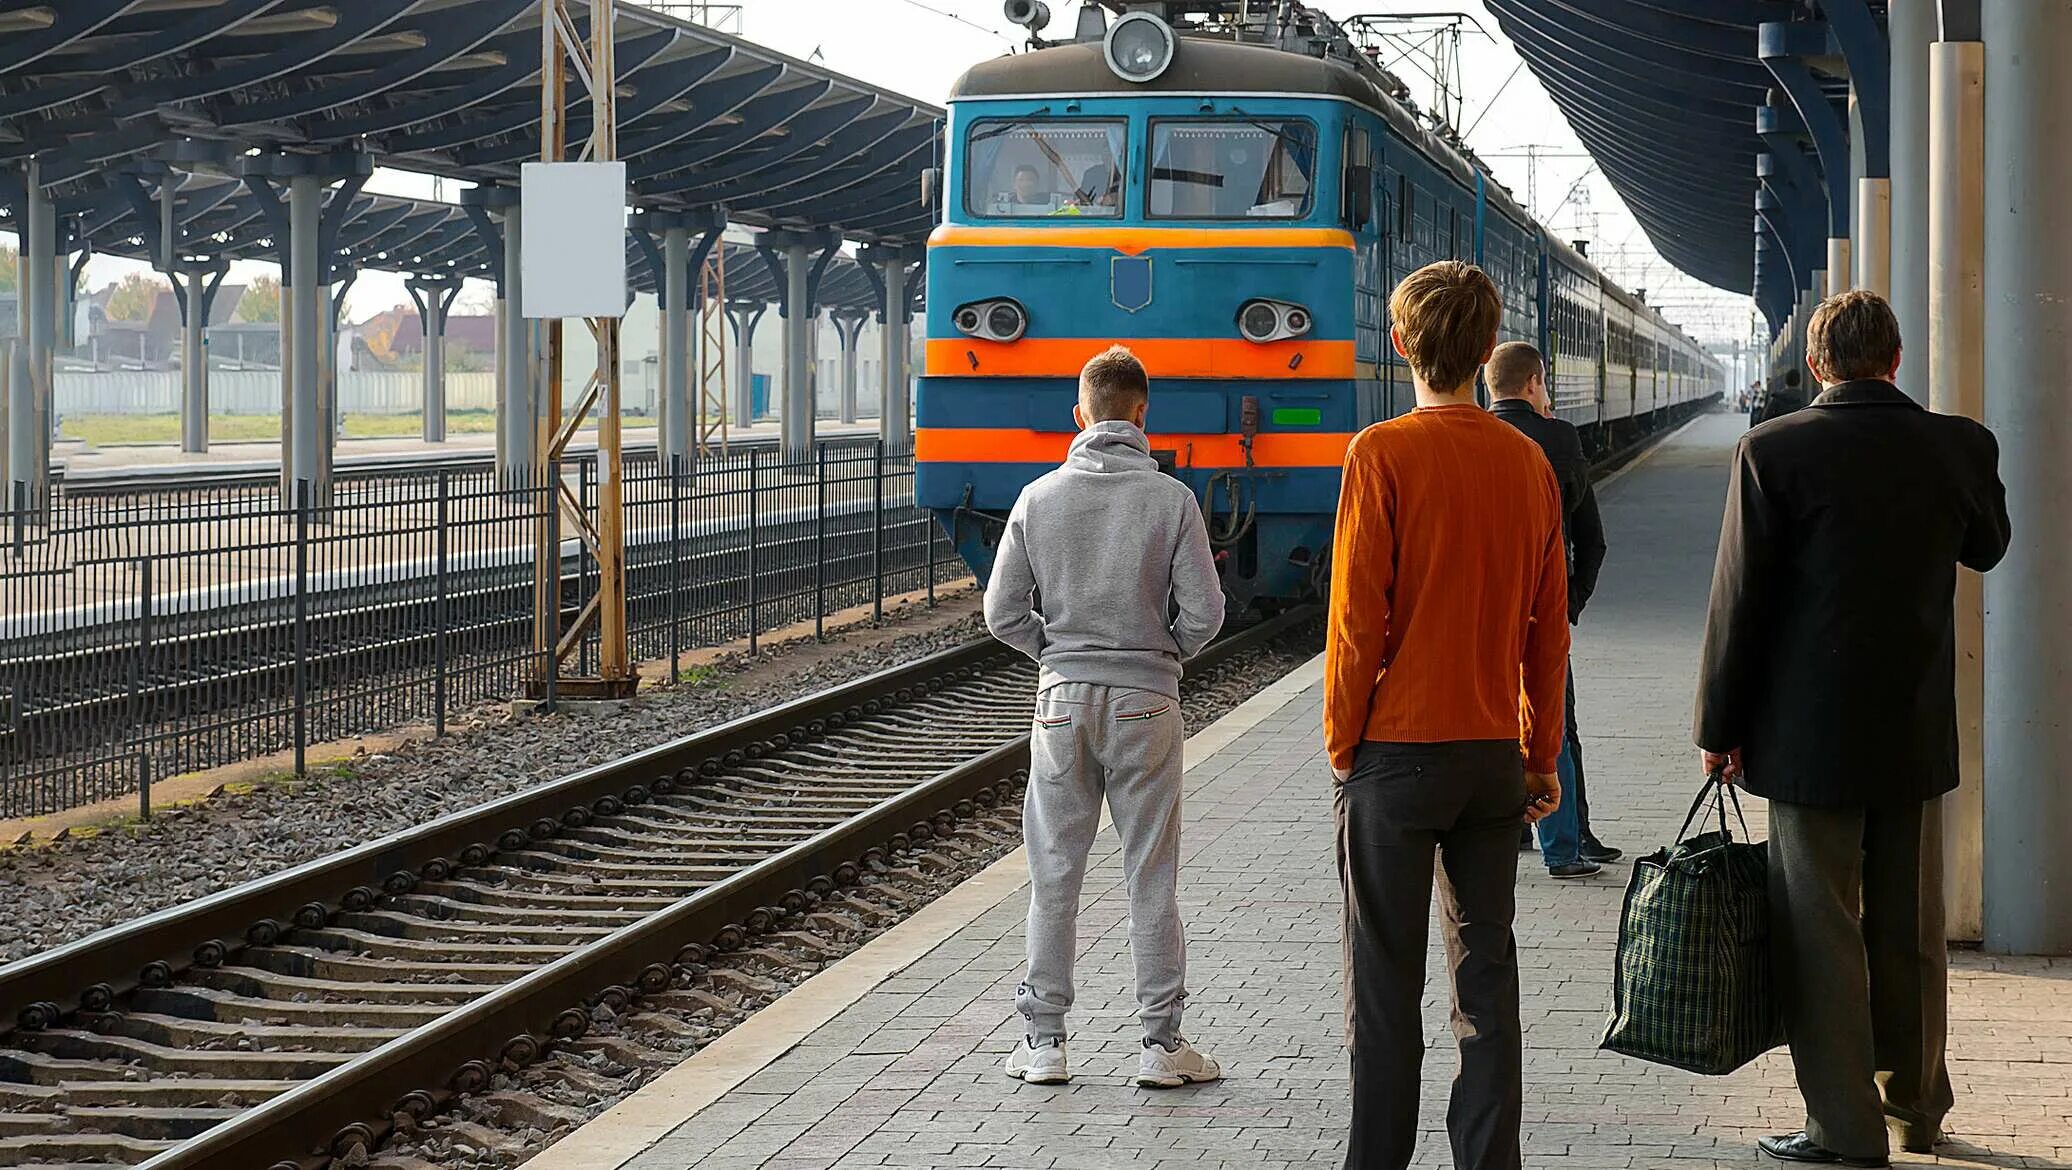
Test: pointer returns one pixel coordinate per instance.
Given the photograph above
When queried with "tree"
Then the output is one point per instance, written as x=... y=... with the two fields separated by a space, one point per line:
x=134 y=296
x=262 y=300
x=10 y=269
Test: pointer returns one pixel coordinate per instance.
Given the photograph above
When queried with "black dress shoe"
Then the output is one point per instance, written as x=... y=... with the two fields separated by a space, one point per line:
x=1575 y=869
x=1797 y=1147
x=1600 y=852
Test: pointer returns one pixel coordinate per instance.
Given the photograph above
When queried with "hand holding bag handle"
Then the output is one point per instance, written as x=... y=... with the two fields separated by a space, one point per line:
x=1721 y=792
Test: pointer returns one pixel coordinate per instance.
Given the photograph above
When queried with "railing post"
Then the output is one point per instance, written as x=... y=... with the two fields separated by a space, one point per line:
x=878 y=533
x=928 y=524
x=585 y=479
x=440 y=611
x=301 y=625
x=755 y=524
x=21 y=519
x=675 y=566
x=139 y=674
x=552 y=665
x=820 y=543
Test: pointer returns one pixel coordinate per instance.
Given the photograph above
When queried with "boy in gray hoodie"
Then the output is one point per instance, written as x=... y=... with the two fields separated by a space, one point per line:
x=1104 y=577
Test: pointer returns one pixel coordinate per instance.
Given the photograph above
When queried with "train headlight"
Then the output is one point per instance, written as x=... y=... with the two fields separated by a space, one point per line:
x=1262 y=321
x=1139 y=47
x=1001 y=320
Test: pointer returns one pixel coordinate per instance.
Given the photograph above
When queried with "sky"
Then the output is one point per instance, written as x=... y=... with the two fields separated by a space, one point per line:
x=919 y=47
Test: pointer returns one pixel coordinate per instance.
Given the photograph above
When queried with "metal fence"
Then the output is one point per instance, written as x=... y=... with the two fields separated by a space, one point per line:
x=149 y=633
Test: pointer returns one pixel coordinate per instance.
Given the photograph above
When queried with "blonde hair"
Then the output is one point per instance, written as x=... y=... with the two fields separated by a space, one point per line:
x=1447 y=315
x=1112 y=385
x=1512 y=366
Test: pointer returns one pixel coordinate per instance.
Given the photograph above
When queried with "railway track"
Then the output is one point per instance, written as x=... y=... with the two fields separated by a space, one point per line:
x=282 y=1023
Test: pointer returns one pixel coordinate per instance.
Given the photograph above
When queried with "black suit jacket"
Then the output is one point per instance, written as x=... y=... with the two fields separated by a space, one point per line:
x=1830 y=647
x=1580 y=522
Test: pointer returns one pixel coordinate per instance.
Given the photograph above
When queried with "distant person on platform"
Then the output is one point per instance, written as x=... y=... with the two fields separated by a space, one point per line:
x=1827 y=685
x=1517 y=379
x=1104 y=576
x=1785 y=398
x=1449 y=588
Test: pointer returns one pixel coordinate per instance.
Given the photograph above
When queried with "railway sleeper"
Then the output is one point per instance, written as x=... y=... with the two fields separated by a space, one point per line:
x=201 y=1003
x=79 y=1150
x=174 y=1092
x=251 y=982
x=442 y=906
x=146 y=1057
x=330 y=966
x=523 y=904
x=204 y=1035
x=361 y=944
x=394 y=924
x=157 y=1122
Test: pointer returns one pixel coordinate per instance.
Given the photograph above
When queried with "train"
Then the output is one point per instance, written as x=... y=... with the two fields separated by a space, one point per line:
x=1231 y=188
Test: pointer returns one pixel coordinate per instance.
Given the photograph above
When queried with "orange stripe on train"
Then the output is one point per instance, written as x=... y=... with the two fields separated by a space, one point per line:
x=1164 y=357
x=1018 y=445
x=1131 y=240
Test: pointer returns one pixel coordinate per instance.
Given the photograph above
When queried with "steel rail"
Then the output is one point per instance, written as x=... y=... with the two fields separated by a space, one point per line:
x=511 y=1024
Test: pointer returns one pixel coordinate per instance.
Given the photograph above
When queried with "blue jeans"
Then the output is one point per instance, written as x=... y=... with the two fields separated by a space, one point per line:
x=1561 y=831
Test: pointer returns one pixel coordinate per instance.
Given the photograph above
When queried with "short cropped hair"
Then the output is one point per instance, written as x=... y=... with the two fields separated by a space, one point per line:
x=1853 y=335
x=1447 y=314
x=1511 y=368
x=1026 y=169
x=1113 y=385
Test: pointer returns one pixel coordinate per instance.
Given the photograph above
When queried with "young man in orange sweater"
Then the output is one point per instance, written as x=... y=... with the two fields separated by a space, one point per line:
x=1445 y=664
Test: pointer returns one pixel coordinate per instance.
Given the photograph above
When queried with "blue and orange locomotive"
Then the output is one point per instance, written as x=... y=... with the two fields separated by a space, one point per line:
x=1231 y=195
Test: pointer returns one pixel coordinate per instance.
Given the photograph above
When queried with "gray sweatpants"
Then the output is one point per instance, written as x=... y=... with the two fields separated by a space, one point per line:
x=1089 y=742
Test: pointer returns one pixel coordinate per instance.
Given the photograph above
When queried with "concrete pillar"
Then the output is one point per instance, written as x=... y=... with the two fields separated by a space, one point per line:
x=1951 y=367
x=895 y=422
x=1910 y=28
x=194 y=361
x=29 y=389
x=849 y=331
x=1873 y=248
x=1838 y=267
x=302 y=335
x=676 y=409
x=517 y=402
x=434 y=298
x=795 y=416
x=745 y=315
x=2028 y=600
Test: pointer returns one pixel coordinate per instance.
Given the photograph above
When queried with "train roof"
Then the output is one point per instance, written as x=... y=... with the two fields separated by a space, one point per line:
x=1214 y=65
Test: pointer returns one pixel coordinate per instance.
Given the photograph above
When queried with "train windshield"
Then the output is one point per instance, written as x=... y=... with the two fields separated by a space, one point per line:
x=1250 y=168
x=1045 y=168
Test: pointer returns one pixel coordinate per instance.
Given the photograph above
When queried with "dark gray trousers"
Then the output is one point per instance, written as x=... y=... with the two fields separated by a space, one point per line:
x=1861 y=960
x=1404 y=804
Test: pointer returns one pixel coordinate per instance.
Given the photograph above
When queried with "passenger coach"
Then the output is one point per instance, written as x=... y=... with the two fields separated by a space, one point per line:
x=1233 y=200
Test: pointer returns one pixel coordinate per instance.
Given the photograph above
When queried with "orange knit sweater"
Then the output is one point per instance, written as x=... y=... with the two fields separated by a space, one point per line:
x=1449 y=589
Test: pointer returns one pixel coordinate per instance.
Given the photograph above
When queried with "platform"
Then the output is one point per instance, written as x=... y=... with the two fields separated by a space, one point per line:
x=891 y=1057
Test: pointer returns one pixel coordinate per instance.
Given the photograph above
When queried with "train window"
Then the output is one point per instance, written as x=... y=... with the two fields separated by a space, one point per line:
x=1248 y=169
x=1050 y=167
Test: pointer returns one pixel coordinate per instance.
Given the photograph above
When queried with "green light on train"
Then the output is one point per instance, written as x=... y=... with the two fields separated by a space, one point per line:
x=1297 y=416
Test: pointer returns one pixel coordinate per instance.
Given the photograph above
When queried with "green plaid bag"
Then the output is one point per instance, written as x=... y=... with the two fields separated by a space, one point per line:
x=1691 y=987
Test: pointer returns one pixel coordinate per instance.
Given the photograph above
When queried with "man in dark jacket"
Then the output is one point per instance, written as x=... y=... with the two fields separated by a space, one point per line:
x=1828 y=686
x=1782 y=399
x=1517 y=379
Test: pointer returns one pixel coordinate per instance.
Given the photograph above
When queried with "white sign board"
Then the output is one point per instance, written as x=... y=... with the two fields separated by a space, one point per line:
x=574 y=240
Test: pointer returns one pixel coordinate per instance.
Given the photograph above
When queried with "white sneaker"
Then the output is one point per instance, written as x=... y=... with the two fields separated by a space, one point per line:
x=1168 y=1068
x=1038 y=1064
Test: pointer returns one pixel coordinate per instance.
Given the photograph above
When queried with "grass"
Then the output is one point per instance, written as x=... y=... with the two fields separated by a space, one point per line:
x=102 y=430
x=108 y=429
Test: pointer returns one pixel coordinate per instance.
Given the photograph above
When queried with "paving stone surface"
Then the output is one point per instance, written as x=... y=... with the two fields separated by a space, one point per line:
x=909 y=1076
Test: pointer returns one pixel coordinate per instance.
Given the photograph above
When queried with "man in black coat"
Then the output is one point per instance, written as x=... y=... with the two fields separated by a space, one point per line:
x=1828 y=686
x=1785 y=398
x=1517 y=379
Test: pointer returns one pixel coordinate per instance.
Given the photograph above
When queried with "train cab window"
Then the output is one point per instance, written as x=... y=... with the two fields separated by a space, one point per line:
x=1048 y=167
x=1247 y=169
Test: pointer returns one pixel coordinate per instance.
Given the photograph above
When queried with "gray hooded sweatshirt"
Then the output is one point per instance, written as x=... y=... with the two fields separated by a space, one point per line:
x=1104 y=575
